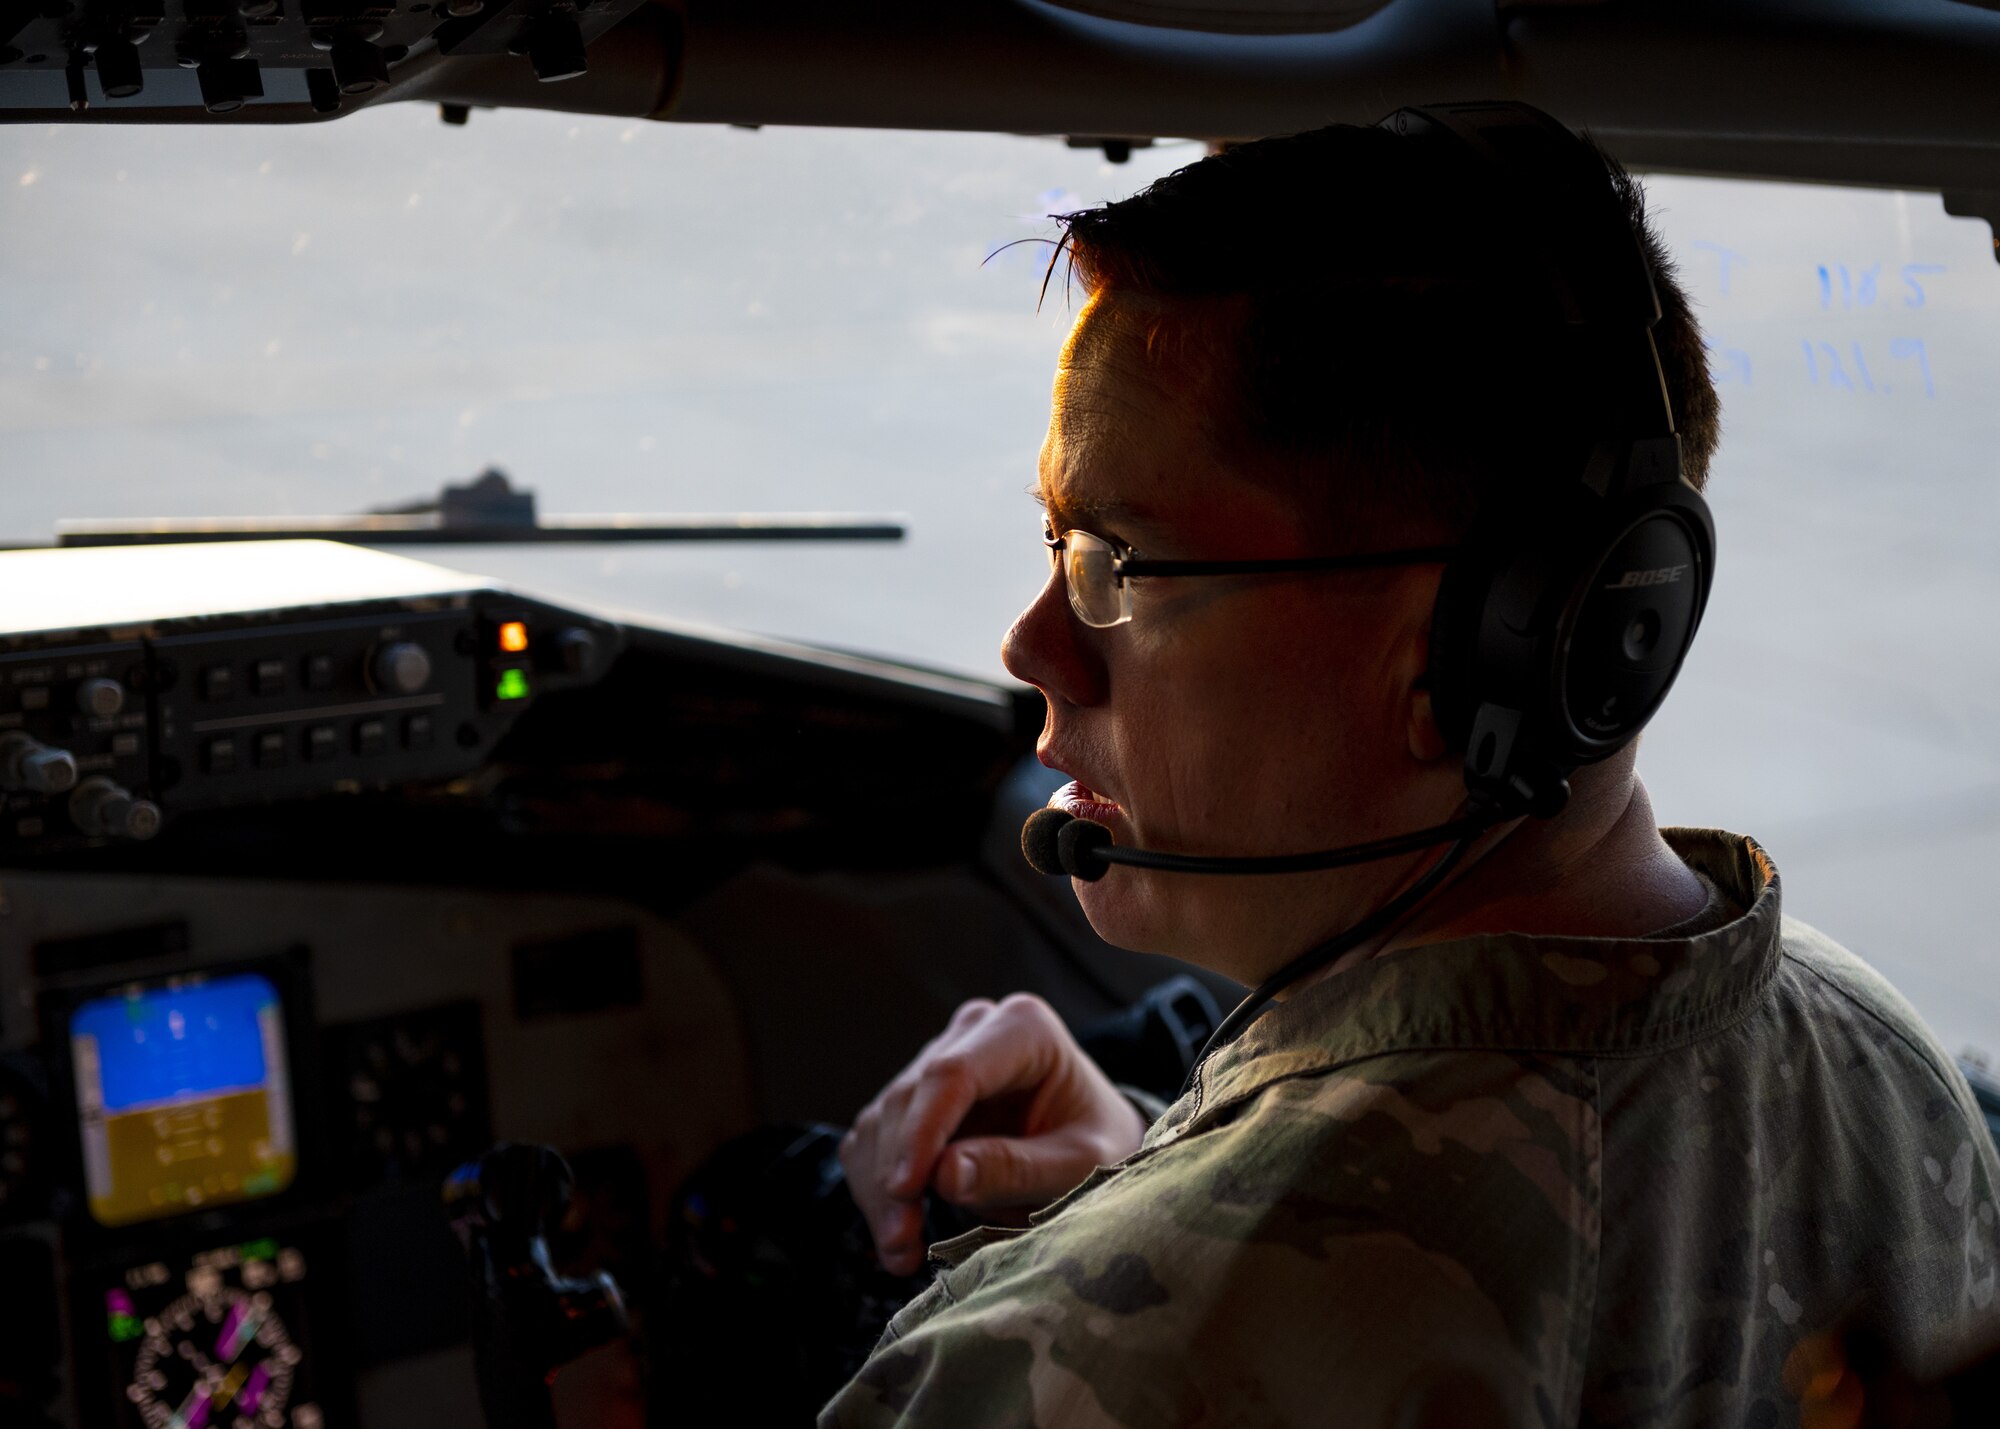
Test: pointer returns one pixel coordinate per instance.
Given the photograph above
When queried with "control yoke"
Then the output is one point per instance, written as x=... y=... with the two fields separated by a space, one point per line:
x=527 y=1320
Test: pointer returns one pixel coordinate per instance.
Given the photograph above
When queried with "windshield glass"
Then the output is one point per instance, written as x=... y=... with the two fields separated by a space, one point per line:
x=625 y=317
x=646 y=318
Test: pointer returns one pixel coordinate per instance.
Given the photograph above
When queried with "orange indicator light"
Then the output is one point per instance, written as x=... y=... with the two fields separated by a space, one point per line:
x=514 y=636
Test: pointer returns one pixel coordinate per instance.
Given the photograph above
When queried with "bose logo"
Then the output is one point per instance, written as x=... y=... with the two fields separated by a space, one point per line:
x=1666 y=575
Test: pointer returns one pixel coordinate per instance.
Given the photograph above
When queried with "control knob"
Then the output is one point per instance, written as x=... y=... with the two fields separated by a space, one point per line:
x=118 y=68
x=576 y=651
x=27 y=763
x=104 y=810
x=101 y=698
x=555 y=49
x=400 y=667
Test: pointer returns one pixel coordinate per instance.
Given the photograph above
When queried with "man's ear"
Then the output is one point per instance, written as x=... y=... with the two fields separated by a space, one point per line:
x=1426 y=740
x=1427 y=743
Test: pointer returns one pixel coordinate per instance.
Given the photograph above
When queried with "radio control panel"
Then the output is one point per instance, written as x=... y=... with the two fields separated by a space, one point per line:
x=316 y=667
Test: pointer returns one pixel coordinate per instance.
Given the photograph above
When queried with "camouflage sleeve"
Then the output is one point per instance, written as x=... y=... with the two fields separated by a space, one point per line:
x=1417 y=1229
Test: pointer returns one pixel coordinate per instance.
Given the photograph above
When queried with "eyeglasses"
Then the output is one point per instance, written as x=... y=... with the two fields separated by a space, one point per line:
x=1095 y=571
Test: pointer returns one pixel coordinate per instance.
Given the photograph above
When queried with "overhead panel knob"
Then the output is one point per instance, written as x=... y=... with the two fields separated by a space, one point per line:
x=555 y=49
x=322 y=92
x=227 y=82
x=359 y=67
x=100 y=698
x=118 y=70
x=400 y=667
x=28 y=764
x=101 y=809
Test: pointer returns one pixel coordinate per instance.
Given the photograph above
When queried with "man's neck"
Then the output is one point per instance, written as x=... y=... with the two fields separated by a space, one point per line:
x=1600 y=870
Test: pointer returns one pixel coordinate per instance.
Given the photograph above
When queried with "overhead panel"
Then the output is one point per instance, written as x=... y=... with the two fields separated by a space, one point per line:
x=150 y=59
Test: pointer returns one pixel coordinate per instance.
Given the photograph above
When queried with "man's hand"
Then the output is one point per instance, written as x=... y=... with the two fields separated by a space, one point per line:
x=1031 y=1113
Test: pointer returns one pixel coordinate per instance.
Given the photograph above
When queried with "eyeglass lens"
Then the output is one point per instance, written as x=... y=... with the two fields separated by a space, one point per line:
x=1090 y=571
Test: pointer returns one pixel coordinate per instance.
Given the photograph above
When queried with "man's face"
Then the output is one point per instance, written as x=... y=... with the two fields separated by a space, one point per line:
x=1232 y=715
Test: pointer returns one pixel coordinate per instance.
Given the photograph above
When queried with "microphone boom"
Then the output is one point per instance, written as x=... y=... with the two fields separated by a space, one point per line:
x=1056 y=842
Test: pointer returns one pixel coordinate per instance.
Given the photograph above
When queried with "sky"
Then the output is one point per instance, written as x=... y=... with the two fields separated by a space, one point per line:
x=633 y=317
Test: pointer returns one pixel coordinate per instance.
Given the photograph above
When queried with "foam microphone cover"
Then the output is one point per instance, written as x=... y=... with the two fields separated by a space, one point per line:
x=1040 y=844
x=1077 y=845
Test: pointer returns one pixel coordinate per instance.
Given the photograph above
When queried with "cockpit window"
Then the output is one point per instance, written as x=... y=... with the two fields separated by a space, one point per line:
x=625 y=317
x=1842 y=700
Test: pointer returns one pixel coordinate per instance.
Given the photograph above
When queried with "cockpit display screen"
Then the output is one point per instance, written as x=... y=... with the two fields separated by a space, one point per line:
x=183 y=1097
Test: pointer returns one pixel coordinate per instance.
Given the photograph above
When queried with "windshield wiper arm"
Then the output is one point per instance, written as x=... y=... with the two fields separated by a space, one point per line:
x=488 y=510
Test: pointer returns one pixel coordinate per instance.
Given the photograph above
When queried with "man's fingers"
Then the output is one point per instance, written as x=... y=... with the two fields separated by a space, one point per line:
x=990 y=1173
x=988 y=1052
x=939 y=1103
x=899 y=1237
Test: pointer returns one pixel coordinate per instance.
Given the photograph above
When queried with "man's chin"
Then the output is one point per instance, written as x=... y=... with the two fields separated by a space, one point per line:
x=1143 y=912
x=1189 y=917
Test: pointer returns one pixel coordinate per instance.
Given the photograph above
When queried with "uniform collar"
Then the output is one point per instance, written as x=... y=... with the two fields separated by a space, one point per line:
x=1519 y=992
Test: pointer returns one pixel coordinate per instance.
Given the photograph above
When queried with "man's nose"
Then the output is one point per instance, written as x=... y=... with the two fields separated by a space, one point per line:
x=1047 y=647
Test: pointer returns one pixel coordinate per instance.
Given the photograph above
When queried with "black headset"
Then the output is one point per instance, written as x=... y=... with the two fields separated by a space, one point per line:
x=1566 y=614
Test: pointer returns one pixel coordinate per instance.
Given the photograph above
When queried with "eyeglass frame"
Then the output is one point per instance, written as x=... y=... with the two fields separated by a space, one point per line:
x=1127 y=563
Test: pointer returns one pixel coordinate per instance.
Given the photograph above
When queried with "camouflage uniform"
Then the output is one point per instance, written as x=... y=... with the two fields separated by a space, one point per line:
x=1571 y=1180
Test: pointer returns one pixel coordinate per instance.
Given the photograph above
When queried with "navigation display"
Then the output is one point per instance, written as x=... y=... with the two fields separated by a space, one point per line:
x=183 y=1098
x=221 y=1341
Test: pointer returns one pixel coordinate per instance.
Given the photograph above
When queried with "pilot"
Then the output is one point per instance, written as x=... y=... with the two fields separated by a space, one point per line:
x=1590 y=1134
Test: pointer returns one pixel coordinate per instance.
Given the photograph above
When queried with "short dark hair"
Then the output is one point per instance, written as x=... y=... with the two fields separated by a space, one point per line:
x=1367 y=324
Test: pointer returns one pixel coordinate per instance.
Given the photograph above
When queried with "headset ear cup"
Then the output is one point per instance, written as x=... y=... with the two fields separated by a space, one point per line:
x=1461 y=599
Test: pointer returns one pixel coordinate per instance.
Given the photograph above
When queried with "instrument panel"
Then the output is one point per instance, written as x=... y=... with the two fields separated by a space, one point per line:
x=173 y=1169
x=250 y=1029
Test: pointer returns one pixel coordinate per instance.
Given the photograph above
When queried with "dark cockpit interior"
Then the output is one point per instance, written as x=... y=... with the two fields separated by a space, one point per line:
x=326 y=868
x=330 y=868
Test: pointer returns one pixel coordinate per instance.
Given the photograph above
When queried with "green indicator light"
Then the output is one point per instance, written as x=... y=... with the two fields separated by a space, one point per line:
x=125 y=1327
x=266 y=1249
x=513 y=685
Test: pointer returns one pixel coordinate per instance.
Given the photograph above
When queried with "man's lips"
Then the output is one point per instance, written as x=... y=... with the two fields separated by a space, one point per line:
x=1081 y=801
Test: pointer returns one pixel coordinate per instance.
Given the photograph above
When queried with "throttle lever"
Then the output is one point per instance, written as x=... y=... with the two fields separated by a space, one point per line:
x=528 y=1321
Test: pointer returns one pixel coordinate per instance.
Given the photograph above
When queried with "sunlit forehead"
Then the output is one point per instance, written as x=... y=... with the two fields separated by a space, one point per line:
x=1112 y=453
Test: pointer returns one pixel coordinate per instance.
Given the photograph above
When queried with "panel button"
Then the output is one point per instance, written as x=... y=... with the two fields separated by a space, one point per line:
x=270 y=677
x=124 y=745
x=371 y=736
x=417 y=732
x=218 y=756
x=318 y=672
x=218 y=682
x=271 y=749
x=35 y=697
x=322 y=743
